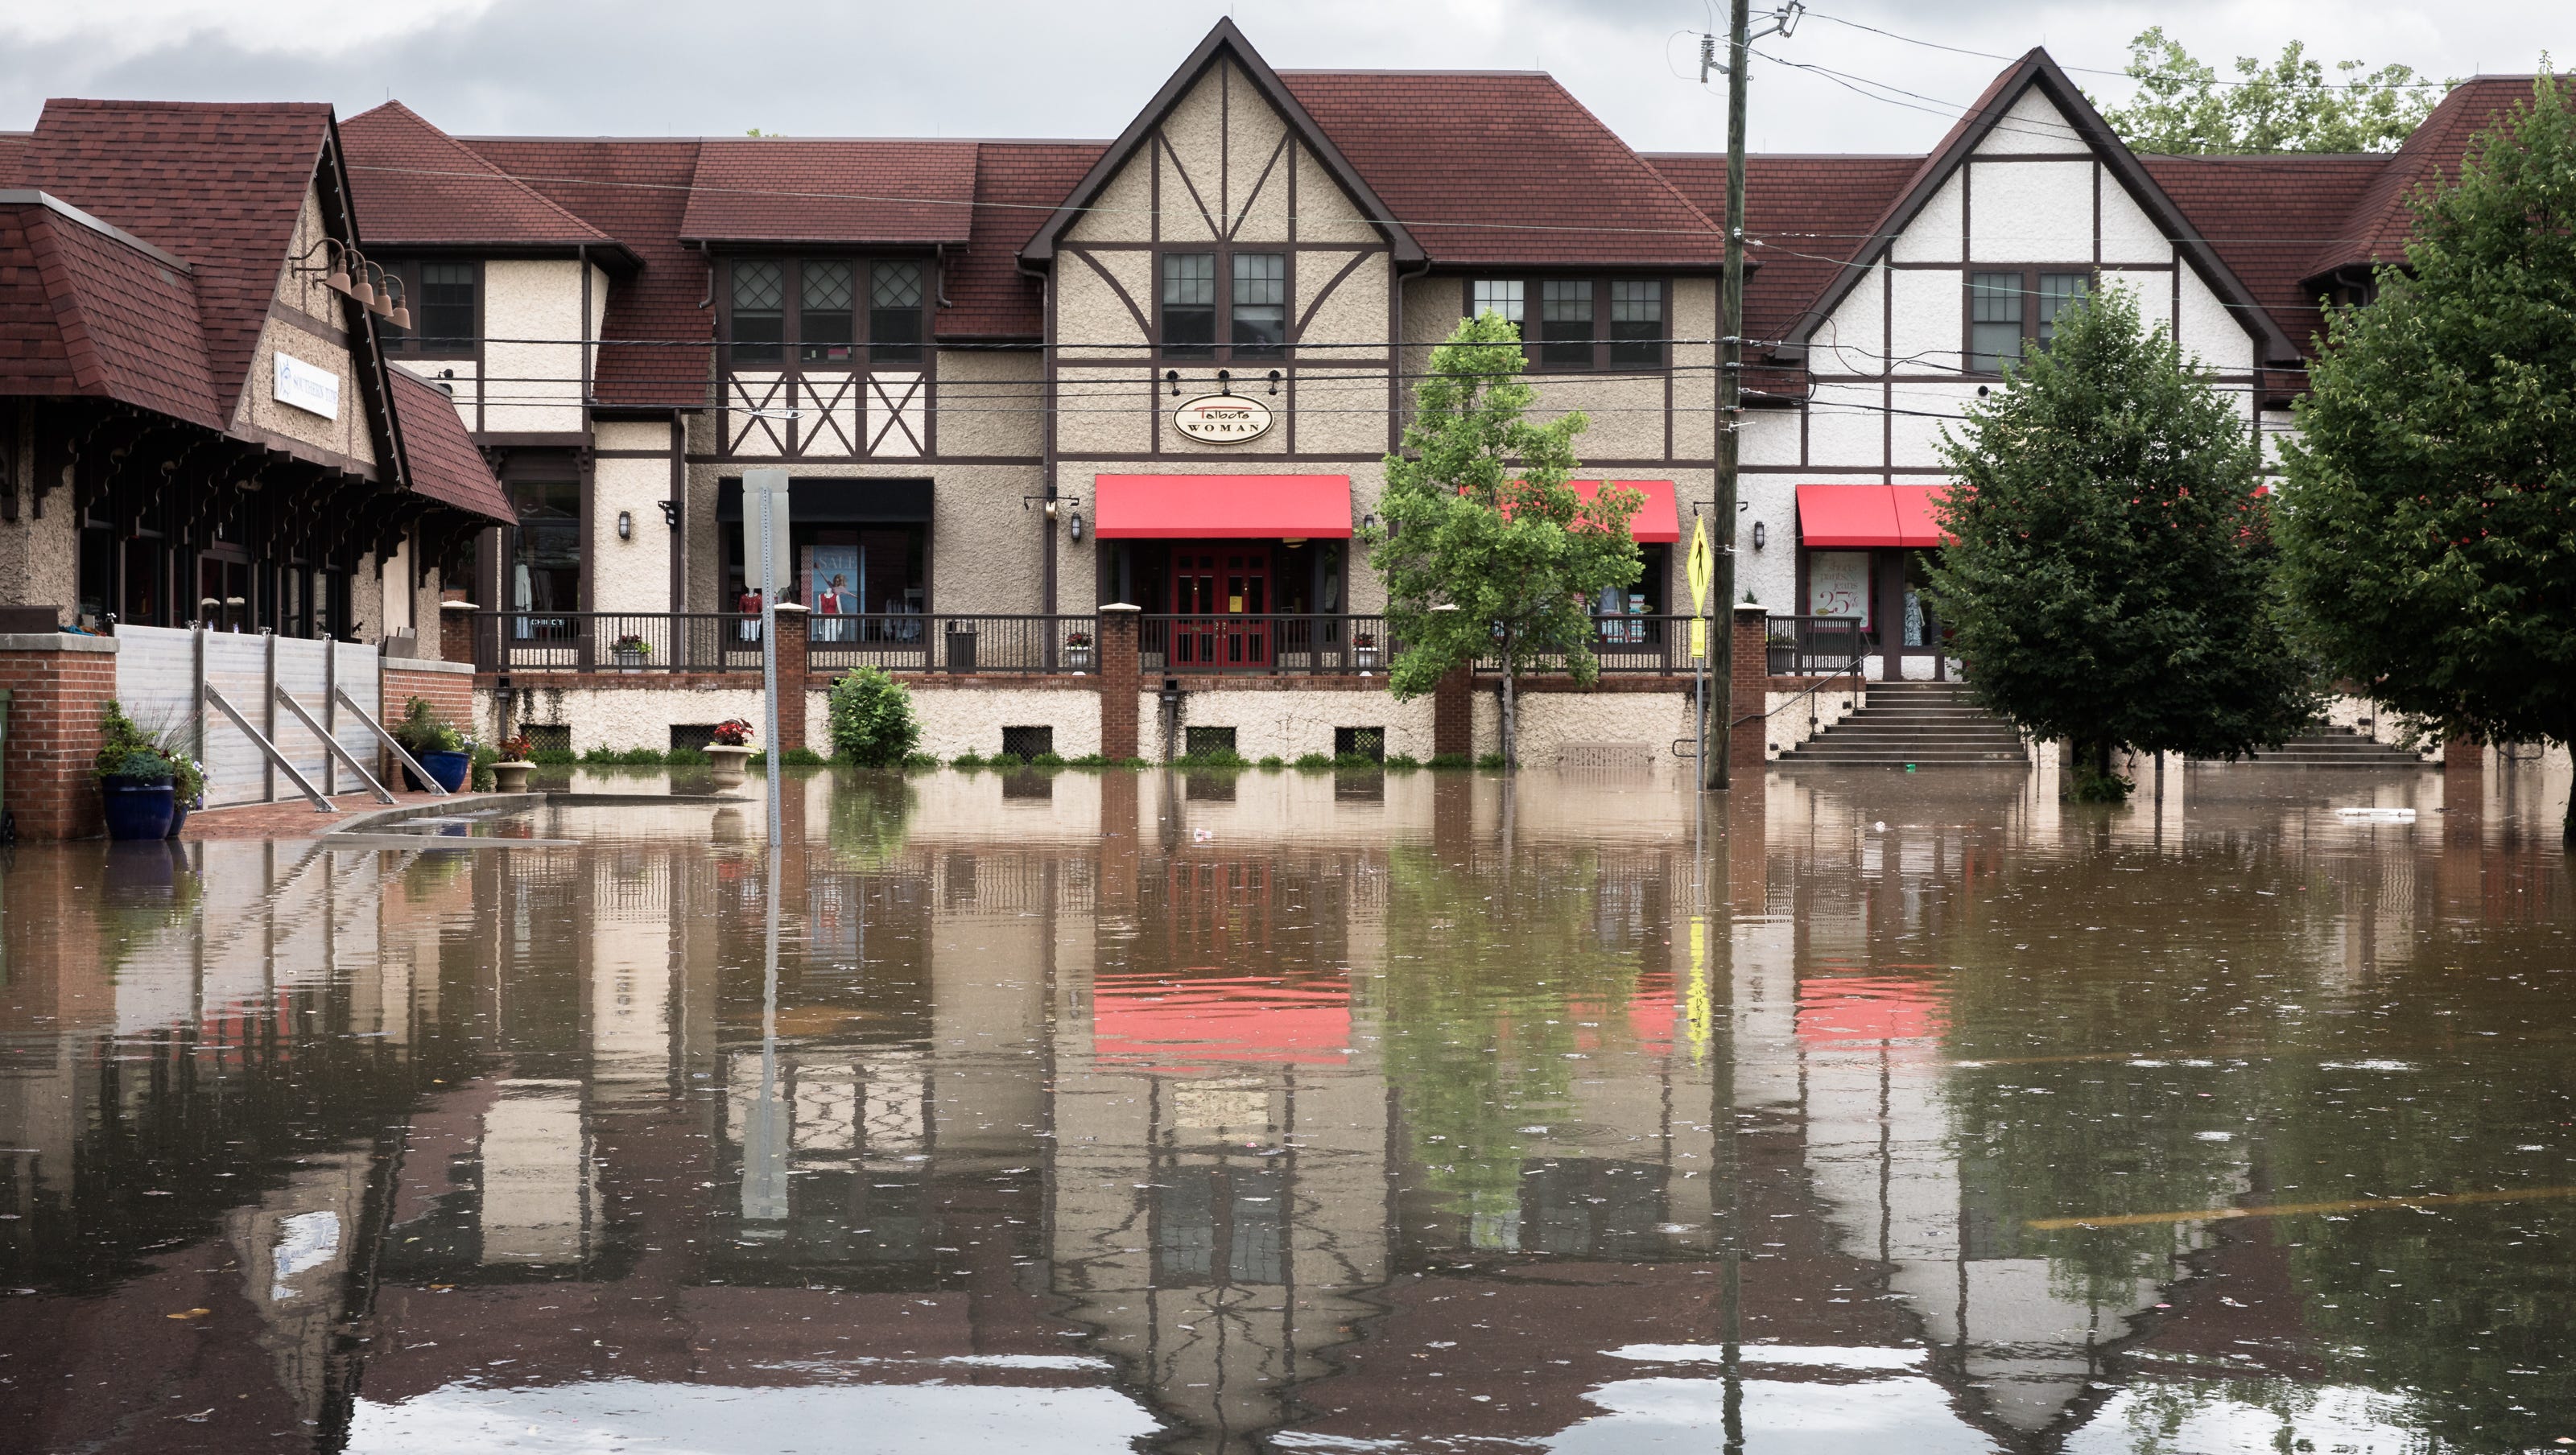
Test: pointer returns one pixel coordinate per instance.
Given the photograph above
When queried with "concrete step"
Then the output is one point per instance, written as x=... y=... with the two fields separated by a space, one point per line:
x=1891 y=759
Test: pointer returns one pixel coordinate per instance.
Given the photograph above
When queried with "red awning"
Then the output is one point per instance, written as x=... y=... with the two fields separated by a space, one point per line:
x=1843 y=516
x=1222 y=507
x=1658 y=519
x=1918 y=523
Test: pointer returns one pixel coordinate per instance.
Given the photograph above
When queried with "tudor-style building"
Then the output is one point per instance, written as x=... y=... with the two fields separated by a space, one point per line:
x=1015 y=380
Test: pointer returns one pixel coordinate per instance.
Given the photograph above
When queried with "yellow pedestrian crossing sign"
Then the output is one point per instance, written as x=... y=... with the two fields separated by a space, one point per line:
x=1701 y=568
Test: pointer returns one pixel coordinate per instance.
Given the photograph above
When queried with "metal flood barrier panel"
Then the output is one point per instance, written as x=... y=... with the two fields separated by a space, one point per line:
x=157 y=676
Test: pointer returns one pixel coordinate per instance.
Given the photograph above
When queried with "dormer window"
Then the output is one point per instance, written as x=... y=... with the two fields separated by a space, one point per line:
x=805 y=312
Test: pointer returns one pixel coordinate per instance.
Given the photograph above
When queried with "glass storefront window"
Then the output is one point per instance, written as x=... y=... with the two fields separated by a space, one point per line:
x=544 y=563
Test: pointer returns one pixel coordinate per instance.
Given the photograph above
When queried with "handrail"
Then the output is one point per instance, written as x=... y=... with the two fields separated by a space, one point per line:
x=320 y=803
x=333 y=745
x=419 y=774
x=1862 y=642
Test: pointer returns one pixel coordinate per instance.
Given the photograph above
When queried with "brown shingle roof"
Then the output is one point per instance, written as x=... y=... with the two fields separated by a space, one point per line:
x=2381 y=220
x=416 y=184
x=782 y=189
x=443 y=462
x=1489 y=168
x=1803 y=215
x=85 y=312
x=1017 y=185
x=218 y=184
x=2264 y=214
x=637 y=192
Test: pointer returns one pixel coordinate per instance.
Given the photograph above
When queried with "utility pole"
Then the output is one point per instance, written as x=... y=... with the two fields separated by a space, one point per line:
x=1713 y=766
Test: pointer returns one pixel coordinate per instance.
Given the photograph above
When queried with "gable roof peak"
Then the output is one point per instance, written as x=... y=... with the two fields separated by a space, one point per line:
x=1222 y=42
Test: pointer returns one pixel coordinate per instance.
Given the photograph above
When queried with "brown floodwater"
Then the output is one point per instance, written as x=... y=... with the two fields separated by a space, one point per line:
x=1073 y=1112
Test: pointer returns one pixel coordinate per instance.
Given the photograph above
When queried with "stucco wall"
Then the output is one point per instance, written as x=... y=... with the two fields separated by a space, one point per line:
x=1288 y=724
x=616 y=716
x=956 y=721
x=349 y=431
x=536 y=387
x=632 y=574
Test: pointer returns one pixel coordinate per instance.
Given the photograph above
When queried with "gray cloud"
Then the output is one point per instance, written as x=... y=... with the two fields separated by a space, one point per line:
x=1020 y=68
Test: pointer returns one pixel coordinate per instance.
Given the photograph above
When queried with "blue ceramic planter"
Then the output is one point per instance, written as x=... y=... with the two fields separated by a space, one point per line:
x=449 y=769
x=135 y=809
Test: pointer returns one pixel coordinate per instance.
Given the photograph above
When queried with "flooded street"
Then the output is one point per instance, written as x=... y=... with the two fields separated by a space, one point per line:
x=1339 y=1112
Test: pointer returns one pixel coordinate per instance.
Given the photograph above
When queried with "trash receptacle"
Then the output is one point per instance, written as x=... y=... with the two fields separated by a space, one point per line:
x=961 y=649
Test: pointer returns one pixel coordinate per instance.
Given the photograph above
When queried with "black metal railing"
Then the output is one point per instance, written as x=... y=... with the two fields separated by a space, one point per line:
x=1808 y=646
x=986 y=643
x=1655 y=645
x=603 y=641
x=1276 y=643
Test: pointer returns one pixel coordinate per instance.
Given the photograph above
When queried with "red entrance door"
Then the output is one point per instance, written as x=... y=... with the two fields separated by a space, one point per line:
x=1221 y=595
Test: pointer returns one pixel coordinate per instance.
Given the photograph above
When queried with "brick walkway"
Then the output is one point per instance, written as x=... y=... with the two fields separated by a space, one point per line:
x=297 y=820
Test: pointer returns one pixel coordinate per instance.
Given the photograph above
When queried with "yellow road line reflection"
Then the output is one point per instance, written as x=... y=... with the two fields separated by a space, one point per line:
x=2295 y=1209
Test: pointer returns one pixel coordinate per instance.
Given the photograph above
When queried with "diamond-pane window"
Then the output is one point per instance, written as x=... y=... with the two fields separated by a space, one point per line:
x=759 y=312
x=823 y=318
x=894 y=312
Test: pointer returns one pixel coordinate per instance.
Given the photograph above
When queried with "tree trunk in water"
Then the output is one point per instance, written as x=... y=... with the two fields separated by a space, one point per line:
x=2567 y=830
x=2101 y=757
x=1511 y=717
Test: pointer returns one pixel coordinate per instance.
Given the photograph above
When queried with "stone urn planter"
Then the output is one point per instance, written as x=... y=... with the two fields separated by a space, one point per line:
x=511 y=777
x=727 y=764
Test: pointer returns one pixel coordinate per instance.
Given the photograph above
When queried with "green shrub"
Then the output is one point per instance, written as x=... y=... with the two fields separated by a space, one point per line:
x=1312 y=761
x=1273 y=761
x=1088 y=760
x=554 y=757
x=1047 y=760
x=1356 y=760
x=623 y=758
x=1450 y=760
x=871 y=719
x=144 y=765
x=1401 y=763
x=1217 y=758
x=1006 y=760
x=686 y=758
x=1491 y=762
x=915 y=762
x=967 y=760
x=792 y=758
x=422 y=730
x=480 y=779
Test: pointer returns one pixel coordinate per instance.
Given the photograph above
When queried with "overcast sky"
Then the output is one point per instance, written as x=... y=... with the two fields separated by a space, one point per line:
x=1081 y=68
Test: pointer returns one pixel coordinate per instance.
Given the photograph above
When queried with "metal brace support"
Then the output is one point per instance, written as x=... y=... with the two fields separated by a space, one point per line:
x=320 y=803
x=333 y=744
x=418 y=772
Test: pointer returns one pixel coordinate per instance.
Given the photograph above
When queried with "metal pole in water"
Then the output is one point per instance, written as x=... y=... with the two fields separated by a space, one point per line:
x=769 y=485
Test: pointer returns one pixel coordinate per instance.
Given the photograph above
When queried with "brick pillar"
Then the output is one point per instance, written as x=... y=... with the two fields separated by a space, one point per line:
x=1453 y=714
x=1120 y=854
x=456 y=631
x=2463 y=753
x=1121 y=680
x=59 y=687
x=1745 y=745
x=792 y=667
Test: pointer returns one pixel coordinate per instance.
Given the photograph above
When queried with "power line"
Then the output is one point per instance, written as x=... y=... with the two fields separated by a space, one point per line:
x=2125 y=74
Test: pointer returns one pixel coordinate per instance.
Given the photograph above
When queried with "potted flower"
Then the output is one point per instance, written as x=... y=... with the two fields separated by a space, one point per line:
x=1077 y=651
x=134 y=778
x=510 y=775
x=134 y=789
x=187 y=787
x=729 y=749
x=630 y=651
x=1364 y=646
x=437 y=747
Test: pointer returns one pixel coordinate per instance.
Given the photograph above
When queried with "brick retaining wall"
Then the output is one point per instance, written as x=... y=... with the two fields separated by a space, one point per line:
x=60 y=688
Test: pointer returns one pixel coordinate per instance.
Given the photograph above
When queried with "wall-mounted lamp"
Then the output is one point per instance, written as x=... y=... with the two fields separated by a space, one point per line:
x=1173 y=378
x=1225 y=381
x=670 y=513
x=1758 y=535
x=1274 y=381
x=626 y=525
x=1050 y=508
x=1077 y=527
x=1368 y=522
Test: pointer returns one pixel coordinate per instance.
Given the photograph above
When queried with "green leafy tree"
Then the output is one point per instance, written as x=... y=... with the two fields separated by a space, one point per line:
x=870 y=719
x=2112 y=579
x=1487 y=552
x=2182 y=106
x=2430 y=521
